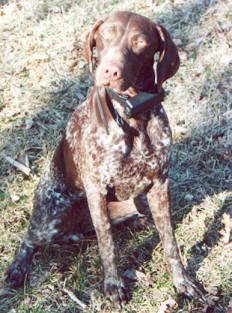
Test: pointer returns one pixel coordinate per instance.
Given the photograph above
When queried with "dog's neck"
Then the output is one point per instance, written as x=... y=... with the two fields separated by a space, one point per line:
x=144 y=107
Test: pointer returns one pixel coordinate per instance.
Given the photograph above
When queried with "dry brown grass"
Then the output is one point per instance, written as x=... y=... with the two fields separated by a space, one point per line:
x=37 y=61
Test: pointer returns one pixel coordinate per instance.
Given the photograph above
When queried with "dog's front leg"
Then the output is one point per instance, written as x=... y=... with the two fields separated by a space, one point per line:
x=113 y=286
x=160 y=205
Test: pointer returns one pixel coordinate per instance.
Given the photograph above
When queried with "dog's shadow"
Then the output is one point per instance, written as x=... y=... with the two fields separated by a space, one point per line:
x=212 y=236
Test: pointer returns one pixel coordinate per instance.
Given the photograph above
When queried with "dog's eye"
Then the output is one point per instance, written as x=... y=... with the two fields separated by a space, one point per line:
x=109 y=32
x=139 y=42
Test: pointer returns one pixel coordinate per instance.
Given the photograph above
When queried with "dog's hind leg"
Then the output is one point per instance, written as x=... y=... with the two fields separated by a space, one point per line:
x=55 y=215
x=17 y=271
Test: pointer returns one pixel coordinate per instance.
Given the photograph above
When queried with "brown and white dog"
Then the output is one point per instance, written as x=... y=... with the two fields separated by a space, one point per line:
x=102 y=170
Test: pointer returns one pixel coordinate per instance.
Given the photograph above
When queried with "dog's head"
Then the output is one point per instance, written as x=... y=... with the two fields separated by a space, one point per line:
x=126 y=44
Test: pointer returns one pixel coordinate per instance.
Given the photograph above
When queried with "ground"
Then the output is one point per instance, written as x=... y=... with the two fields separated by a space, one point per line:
x=43 y=77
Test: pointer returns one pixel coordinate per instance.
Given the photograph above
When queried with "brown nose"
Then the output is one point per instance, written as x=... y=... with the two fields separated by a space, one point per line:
x=112 y=72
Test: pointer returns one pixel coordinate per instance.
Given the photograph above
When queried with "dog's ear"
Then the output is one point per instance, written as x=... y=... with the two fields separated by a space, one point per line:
x=169 y=61
x=90 y=44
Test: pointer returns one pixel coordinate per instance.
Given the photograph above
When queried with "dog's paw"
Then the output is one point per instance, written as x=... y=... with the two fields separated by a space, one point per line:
x=15 y=274
x=190 y=287
x=116 y=292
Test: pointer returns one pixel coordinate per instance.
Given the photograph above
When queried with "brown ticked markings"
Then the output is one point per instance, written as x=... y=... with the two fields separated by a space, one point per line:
x=95 y=178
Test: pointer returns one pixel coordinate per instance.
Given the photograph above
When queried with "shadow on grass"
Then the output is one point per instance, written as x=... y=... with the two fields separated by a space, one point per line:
x=212 y=236
x=140 y=251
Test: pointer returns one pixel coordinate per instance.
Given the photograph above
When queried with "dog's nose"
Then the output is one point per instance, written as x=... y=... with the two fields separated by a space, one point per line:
x=112 y=72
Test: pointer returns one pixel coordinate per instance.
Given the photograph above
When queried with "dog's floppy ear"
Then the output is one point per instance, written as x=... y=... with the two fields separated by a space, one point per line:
x=169 y=61
x=90 y=43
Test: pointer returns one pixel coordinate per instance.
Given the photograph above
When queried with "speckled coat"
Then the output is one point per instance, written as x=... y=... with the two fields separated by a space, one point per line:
x=96 y=179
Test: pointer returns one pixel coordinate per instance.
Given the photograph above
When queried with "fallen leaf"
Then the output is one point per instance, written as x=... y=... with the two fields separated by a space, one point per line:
x=75 y=299
x=212 y=290
x=229 y=308
x=73 y=63
x=14 y=198
x=82 y=64
x=29 y=123
x=167 y=305
x=46 y=146
x=211 y=299
x=197 y=96
x=80 y=96
x=178 y=129
x=10 y=113
x=194 y=45
x=51 y=287
x=18 y=165
x=135 y=275
x=226 y=59
x=46 y=291
x=228 y=114
x=228 y=155
x=130 y=274
x=225 y=232
x=183 y=56
x=4 y=293
x=140 y=276
x=70 y=46
x=178 y=42
x=189 y=197
x=55 y=9
x=23 y=159
x=10 y=9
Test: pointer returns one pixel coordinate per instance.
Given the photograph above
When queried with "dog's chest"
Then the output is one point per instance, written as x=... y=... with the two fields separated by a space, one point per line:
x=129 y=165
x=125 y=162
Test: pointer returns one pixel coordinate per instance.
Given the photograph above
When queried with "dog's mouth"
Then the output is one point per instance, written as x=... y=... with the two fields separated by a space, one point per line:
x=123 y=87
x=130 y=92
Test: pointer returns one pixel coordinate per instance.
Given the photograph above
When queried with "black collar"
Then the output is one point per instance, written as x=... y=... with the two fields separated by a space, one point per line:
x=119 y=98
x=137 y=104
x=132 y=106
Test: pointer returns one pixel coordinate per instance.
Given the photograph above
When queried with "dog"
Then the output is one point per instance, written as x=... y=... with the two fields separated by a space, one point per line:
x=114 y=155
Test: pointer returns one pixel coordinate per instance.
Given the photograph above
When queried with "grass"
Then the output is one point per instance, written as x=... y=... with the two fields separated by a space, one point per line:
x=40 y=54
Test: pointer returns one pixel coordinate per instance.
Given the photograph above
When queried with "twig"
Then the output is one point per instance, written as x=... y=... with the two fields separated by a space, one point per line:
x=25 y=89
x=62 y=91
x=81 y=304
x=54 y=68
x=55 y=71
x=26 y=170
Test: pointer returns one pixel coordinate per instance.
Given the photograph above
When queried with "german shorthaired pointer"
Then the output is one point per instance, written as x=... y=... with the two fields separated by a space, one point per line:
x=108 y=161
